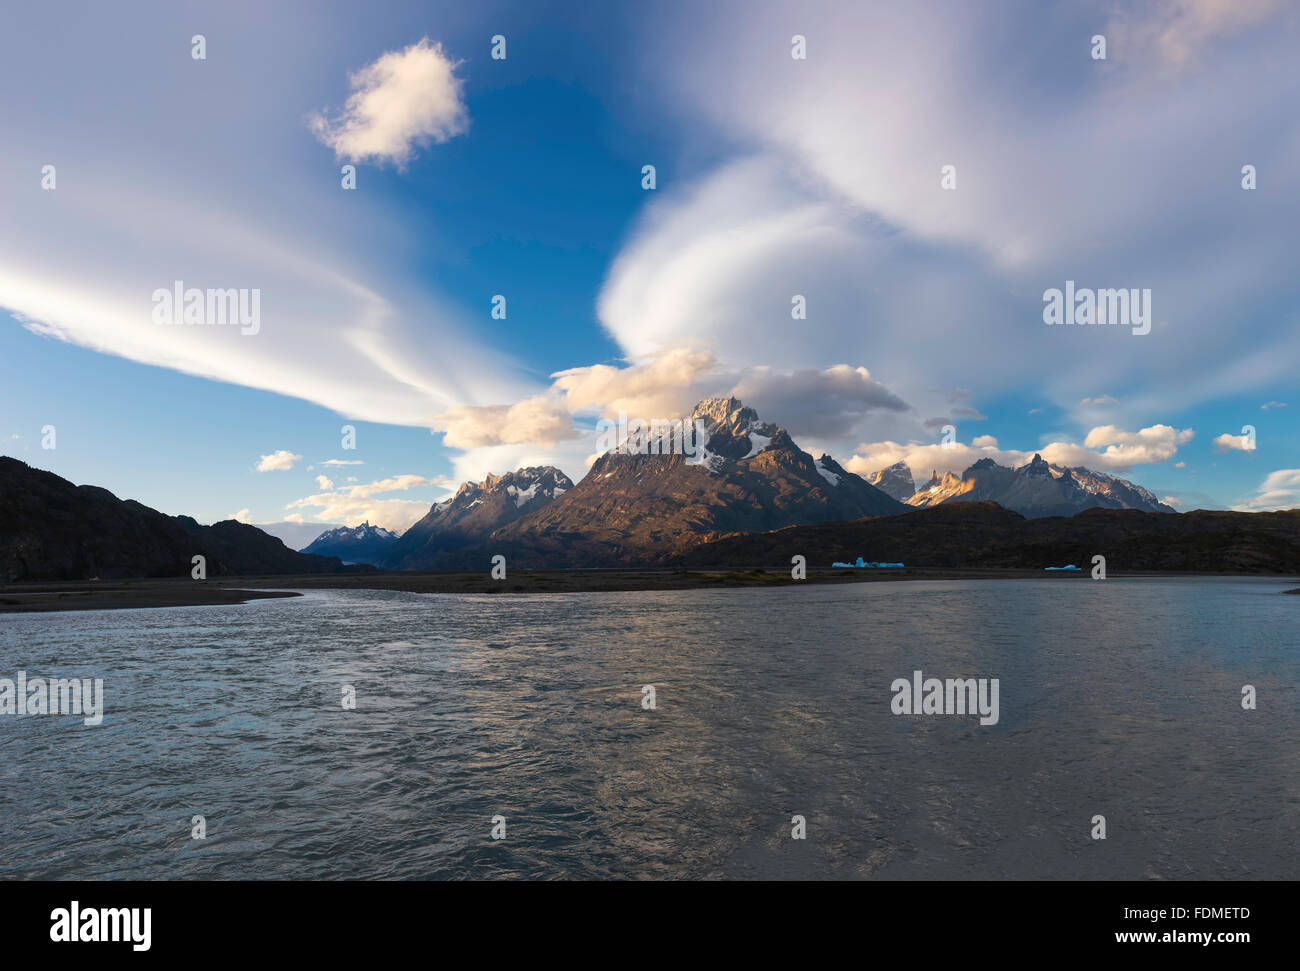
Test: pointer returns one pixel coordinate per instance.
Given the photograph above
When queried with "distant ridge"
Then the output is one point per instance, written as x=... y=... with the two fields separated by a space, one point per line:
x=1036 y=489
x=353 y=544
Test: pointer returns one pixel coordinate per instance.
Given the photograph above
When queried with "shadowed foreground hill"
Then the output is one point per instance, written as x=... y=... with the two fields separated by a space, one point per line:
x=984 y=535
x=51 y=529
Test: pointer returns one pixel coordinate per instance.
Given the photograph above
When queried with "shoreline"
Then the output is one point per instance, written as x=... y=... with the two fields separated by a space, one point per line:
x=73 y=595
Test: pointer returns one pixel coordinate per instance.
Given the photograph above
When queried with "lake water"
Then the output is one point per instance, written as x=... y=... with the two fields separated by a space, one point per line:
x=1119 y=698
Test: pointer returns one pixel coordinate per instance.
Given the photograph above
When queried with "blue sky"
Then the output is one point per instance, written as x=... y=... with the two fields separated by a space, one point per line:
x=776 y=177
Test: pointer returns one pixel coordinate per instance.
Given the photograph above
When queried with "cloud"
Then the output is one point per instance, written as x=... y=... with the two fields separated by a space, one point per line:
x=824 y=404
x=1177 y=31
x=343 y=462
x=353 y=505
x=243 y=516
x=278 y=461
x=377 y=365
x=1279 y=490
x=352 y=329
x=1123 y=451
x=538 y=420
x=1271 y=405
x=853 y=218
x=1232 y=443
x=404 y=100
x=1157 y=443
x=663 y=383
x=1104 y=399
x=324 y=482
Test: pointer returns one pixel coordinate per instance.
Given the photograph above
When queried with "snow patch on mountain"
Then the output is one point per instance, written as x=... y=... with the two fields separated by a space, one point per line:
x=829 y=476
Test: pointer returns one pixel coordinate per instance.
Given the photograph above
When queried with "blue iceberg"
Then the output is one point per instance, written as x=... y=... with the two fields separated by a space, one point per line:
x=865 y=565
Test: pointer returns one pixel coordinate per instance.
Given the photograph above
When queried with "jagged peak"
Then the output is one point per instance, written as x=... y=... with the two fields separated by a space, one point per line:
x=721 y=410
x=1036 y=466
x=361 y=530
x=520 y=480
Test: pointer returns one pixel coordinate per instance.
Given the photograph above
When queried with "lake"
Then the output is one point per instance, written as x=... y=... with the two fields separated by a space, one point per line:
x=1119 y=698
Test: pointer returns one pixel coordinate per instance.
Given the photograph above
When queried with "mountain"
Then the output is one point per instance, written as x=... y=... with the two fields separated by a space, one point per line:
x=983 y=535
x=895 y=481
x=476 y=510
x=636 y=507
x=1129 y=495
x=1037 y=489
x=51 y=529
x=353 y=544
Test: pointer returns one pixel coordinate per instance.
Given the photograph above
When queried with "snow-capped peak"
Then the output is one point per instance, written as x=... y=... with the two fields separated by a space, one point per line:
x=364 y=531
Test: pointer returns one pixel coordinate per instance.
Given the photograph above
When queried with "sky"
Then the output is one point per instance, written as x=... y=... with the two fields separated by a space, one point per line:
x=857 y=215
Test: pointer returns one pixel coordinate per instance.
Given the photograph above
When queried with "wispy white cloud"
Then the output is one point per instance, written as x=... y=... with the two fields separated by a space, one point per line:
x=1279 y=490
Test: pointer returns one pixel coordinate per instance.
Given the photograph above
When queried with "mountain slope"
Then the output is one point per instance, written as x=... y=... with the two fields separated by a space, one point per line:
x=51 y=529
x=1129 y=495
x=474 y=512
x=636 y=509
x=353 y=544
